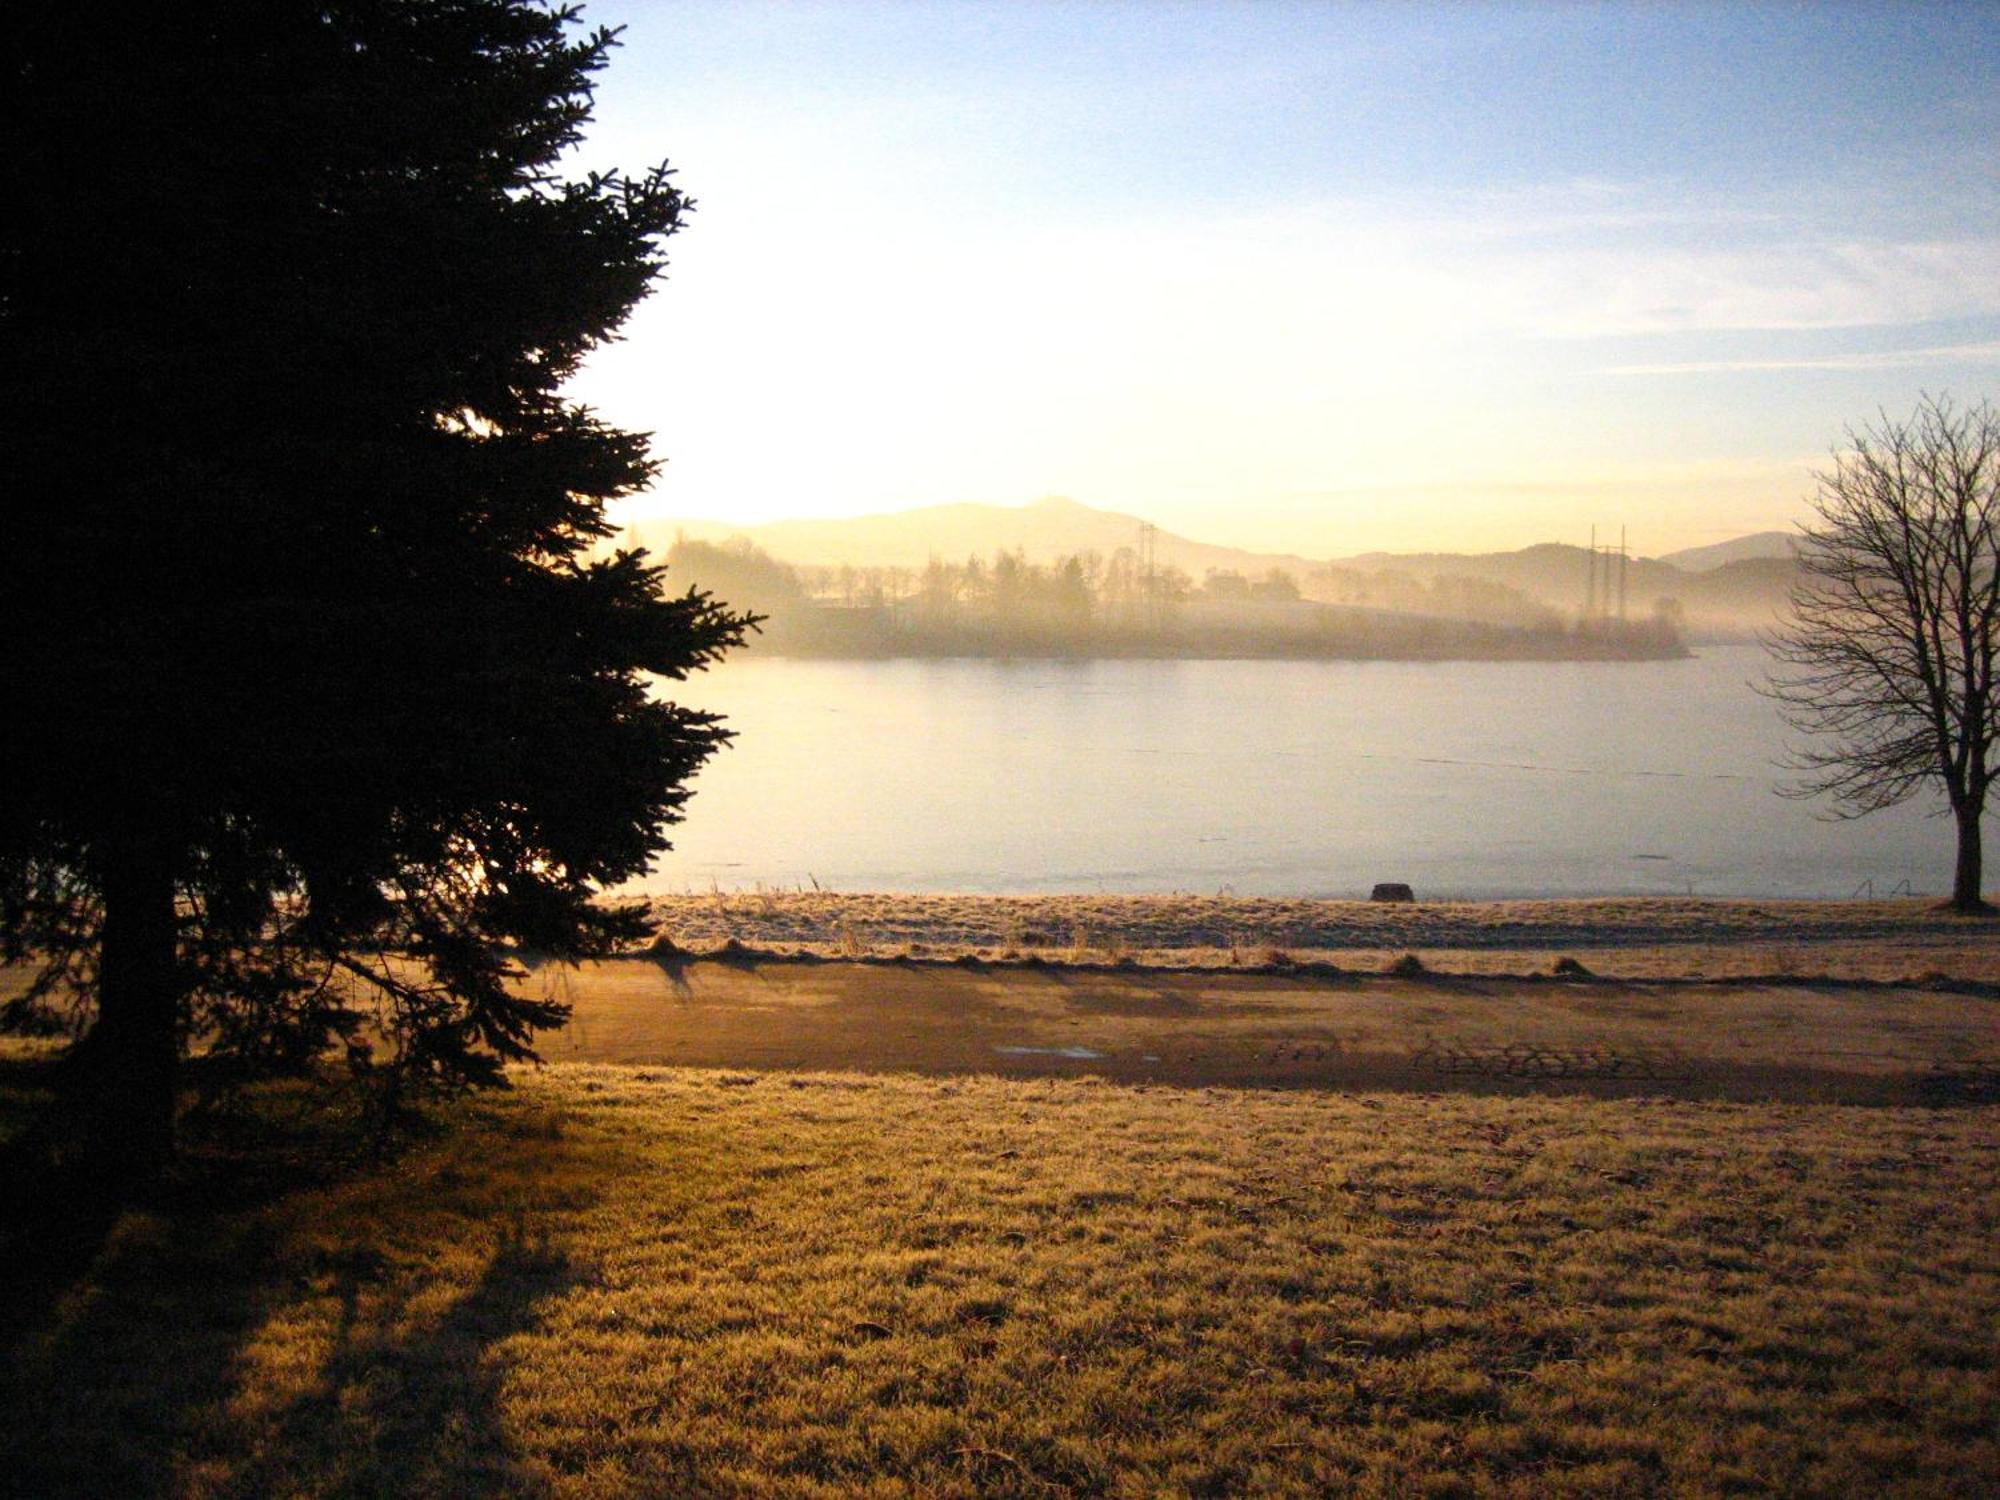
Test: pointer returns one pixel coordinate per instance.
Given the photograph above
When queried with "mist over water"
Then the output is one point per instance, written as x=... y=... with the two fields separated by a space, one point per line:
x=1301 y=778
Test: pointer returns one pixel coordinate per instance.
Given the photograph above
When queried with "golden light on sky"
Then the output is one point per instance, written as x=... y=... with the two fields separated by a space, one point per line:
x=1318 y=279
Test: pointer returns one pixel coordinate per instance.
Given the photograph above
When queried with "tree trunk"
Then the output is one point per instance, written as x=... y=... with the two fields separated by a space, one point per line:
x=131 y=1059
x=1966 y=877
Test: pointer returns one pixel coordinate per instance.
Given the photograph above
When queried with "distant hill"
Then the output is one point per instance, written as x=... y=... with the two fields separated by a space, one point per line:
x=1741 y=596
x=1553 y=572
x=1729 y=588
x=1043 y=532
x=1732 y=600
x=1781 y=545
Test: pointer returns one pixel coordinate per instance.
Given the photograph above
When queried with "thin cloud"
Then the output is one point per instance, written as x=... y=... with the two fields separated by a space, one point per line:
x=1888 y=359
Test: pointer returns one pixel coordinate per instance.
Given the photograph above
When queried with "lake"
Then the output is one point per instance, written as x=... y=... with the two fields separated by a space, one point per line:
x=1466 y=779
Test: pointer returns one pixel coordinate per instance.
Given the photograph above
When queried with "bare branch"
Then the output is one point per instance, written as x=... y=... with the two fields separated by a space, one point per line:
x=1886 y=660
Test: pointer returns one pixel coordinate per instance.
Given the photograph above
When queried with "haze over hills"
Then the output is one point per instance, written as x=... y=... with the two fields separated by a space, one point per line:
x=1042 y=532
x=1782 y=545
x=1727 y=588
x=1730 y=598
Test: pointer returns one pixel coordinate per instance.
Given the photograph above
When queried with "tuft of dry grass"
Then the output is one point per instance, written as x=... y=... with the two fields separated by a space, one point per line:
x=658 y=1281
x=1088 y=945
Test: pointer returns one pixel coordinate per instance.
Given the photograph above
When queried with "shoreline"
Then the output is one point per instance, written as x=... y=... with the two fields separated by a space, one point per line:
x=1614 y=937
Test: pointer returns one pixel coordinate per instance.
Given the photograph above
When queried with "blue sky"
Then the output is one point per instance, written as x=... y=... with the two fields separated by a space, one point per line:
x=1322 y=278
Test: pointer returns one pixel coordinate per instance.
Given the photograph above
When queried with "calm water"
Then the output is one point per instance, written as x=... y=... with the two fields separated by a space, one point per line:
x=1271 y=778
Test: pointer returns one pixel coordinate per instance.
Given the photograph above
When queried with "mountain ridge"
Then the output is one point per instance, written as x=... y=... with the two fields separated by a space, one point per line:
x=1044 y=530
x=1729 y=586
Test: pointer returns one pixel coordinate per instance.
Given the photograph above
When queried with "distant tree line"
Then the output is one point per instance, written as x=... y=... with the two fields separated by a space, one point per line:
x=1454 y=596
x=1089 y=604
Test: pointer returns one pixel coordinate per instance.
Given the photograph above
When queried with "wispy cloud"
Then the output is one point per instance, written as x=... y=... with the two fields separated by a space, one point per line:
x=1887 y=359
x=1611 y=290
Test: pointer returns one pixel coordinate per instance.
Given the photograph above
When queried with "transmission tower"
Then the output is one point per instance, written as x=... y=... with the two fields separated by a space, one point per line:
x=1590 y=580
x=1621 y=575
x=1149 y=584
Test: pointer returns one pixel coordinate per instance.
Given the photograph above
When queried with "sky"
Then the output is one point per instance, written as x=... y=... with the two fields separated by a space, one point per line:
x=1309 y=278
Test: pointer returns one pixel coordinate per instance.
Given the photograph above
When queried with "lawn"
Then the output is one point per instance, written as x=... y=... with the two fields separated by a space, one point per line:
x=616 y=1281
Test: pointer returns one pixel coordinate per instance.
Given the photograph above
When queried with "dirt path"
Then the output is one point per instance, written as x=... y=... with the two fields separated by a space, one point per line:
x=1819 y=1042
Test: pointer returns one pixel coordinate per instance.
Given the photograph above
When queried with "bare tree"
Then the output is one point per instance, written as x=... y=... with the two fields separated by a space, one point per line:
x=1887 y=656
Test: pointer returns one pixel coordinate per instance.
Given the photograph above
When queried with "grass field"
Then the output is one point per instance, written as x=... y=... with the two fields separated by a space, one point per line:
x=617 y=1281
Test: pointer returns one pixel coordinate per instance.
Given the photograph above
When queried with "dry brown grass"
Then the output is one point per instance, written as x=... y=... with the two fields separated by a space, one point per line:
x=1622 y=938
x=680 y=1282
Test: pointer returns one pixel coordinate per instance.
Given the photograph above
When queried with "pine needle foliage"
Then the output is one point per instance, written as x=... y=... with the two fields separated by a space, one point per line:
x=321 y=692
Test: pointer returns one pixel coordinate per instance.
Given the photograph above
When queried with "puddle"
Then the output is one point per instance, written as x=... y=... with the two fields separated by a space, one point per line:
x=1080 y=1053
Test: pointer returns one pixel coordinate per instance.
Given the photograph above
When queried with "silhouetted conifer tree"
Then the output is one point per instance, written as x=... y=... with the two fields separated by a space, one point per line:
x=314 y=694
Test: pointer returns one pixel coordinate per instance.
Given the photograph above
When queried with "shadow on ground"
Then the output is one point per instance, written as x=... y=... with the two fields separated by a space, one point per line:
x=405 y=1396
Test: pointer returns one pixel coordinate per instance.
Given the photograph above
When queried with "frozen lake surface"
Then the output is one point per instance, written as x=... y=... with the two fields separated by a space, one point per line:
x=1469 y=779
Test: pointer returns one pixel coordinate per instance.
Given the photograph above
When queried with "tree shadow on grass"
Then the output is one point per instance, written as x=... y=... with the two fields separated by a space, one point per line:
x=184 y=1341
x=59 y=1215
x=400 y=1411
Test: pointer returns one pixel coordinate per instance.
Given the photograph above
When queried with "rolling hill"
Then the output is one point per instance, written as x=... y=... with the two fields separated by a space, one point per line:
x=1043 y=532
x=1758 y=546
x=1727 y=589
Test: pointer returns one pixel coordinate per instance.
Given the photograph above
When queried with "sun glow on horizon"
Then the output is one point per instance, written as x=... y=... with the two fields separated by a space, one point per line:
x=1380 y=301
